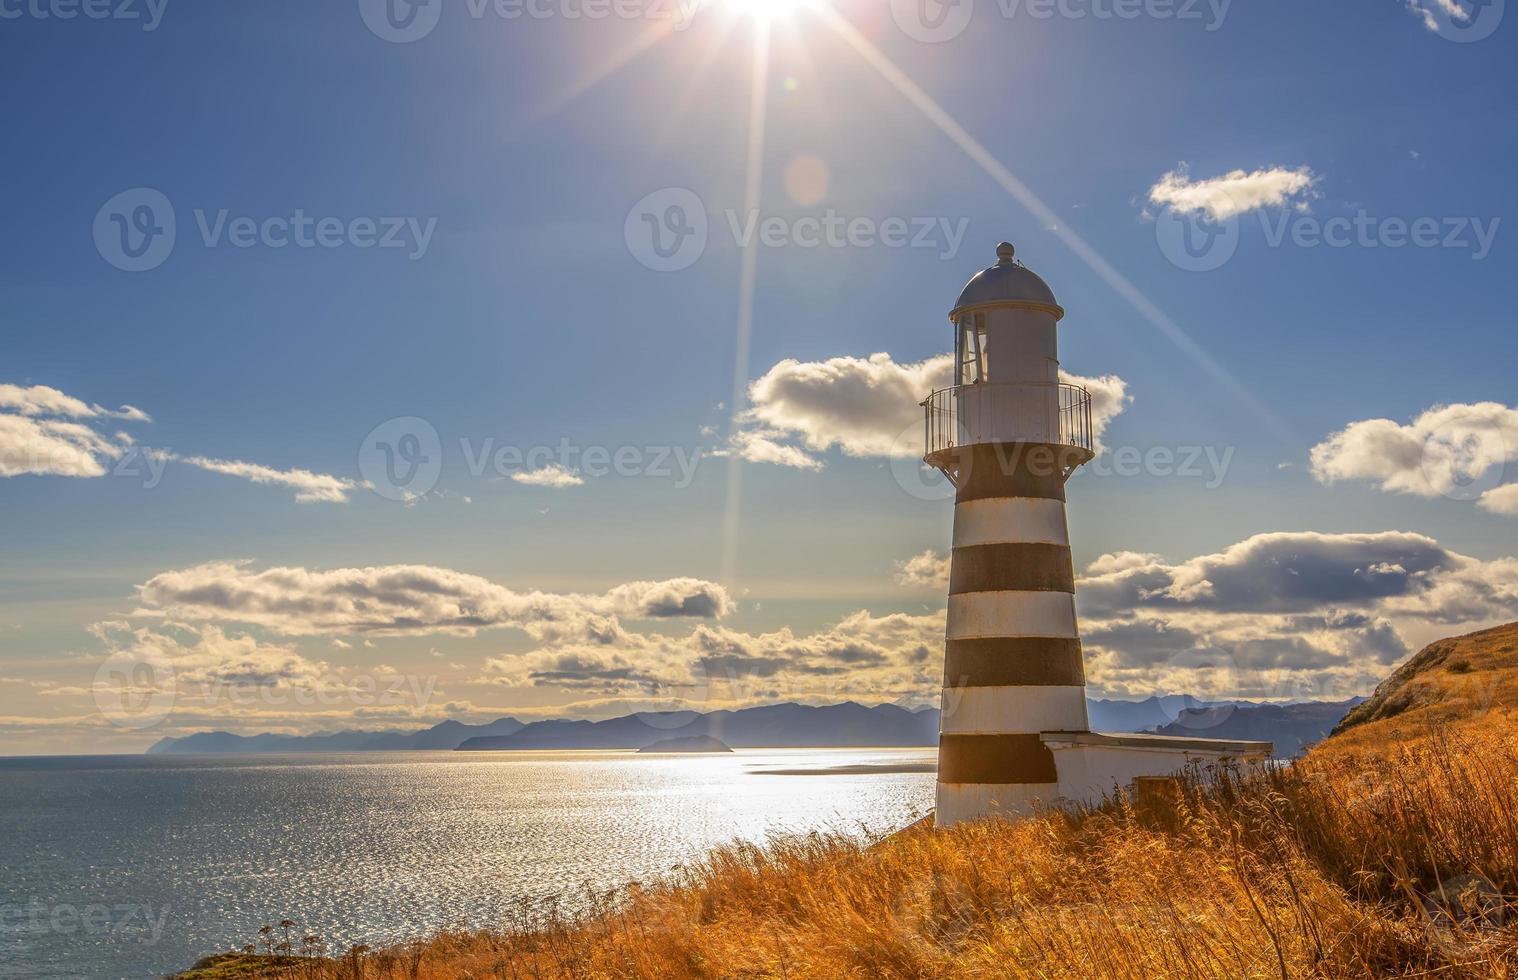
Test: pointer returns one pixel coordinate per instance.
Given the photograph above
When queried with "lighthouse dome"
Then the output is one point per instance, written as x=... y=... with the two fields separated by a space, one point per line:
x=1007 y=281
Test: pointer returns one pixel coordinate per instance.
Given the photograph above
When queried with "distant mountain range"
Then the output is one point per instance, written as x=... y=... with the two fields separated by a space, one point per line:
x=1292 y=727
x=445 y=735
x=772 y=725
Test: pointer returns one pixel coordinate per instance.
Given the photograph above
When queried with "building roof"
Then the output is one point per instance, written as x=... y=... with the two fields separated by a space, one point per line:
x=1162 y=743
x=1008 y=281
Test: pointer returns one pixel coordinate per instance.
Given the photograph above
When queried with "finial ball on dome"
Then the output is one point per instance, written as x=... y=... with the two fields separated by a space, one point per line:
x=1004 y=253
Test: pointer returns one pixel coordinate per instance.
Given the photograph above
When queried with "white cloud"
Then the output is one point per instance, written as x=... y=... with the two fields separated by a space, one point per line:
x=42 y=400
x=552 y=475
x=764 y=446
x=50 y=447
x=1109 y=397
x=1234 y=193
x=864 y=407
x=1121 y=561
x=860 y=405
x=309 y=487
x=1446 y=448
x=212 y=657
x=1501 y=500
x=44 y=432
x=926 y=569
x=406 y=599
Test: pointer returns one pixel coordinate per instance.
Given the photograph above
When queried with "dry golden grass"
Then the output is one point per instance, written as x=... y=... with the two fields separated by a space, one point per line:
x=1328 y=869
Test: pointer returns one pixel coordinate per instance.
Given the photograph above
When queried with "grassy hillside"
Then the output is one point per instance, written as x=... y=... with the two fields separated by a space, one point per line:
x=1465 y=683
x=1350 y=863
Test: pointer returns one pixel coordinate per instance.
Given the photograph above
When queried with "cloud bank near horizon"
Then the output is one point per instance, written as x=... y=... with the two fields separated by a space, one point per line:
x=402 y=600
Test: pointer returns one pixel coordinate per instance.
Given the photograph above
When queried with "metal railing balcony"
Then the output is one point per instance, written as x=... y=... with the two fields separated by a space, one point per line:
x=1014 y=412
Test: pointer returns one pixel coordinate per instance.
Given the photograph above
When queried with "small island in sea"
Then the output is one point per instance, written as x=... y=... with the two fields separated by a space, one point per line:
x=690 y=743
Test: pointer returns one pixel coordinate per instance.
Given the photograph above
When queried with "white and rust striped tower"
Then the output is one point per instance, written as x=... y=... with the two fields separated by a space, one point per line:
x=1008 y=435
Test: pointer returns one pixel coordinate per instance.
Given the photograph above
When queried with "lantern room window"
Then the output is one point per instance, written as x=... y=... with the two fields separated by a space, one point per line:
x=971 y=350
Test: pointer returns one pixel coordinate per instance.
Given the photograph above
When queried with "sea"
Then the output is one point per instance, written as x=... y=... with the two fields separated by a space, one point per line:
x=136 y=866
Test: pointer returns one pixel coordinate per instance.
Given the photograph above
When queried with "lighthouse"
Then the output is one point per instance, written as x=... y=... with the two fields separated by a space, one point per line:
x=1009 y=434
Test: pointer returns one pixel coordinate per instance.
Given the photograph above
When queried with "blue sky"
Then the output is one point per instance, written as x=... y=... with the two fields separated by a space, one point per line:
x=528 y=318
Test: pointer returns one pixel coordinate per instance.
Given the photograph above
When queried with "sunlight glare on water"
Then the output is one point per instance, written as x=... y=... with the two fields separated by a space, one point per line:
x=377 y=847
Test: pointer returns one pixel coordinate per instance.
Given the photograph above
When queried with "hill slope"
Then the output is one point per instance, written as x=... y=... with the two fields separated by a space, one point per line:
x=1462 y=682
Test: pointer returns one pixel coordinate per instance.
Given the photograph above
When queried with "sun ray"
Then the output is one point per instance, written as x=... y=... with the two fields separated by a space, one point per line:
x=1025 y=196
x=597 y=74
x=753 y=183
x=692 y=88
